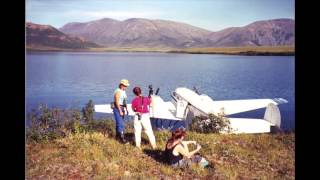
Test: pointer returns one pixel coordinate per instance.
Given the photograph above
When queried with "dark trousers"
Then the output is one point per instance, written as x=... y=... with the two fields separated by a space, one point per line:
x=119 y=120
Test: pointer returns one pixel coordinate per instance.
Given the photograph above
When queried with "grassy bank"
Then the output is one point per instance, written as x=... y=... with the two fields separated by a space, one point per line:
x=263 y=50
x=249 y=50
x=97 y=155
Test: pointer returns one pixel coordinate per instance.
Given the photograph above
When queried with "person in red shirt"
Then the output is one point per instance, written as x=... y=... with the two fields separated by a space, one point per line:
x=140 y=105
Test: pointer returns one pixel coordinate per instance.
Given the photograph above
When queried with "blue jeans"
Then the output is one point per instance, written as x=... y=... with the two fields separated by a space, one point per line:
x=119 y=120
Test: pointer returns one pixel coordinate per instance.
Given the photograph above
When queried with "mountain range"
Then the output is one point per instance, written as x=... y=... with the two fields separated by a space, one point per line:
x=138 y=32
x=46 y=36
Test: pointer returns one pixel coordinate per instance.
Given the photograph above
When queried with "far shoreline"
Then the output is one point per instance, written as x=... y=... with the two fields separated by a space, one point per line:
x=245 y=51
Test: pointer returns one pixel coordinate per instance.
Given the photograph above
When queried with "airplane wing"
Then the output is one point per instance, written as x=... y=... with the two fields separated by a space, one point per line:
x=163 y=110
x=237 y=106
x=159 y=109
x=106 y=108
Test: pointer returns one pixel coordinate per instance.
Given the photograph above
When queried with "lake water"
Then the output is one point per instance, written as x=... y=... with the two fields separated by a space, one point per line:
x=70 y=79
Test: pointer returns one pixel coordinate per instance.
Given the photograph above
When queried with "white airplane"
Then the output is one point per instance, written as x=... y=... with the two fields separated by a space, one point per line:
x=186 y=104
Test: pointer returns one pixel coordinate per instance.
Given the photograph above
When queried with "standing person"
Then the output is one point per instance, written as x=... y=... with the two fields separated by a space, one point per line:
x=140 y=105
x=120 y=97
x=178 y=154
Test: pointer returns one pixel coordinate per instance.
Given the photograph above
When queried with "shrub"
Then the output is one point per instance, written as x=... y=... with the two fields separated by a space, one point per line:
x=210 y=124
x=88 y=111
x=45 y=124
x=51 y=123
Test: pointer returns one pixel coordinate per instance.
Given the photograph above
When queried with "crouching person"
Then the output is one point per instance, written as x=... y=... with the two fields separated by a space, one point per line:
x=140 y=105
x=177 y=151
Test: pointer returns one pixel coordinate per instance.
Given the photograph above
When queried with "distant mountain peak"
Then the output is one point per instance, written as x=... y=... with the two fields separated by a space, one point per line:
x=107 y=19
x=39 y=26
x=38 y=36
x=137 y=19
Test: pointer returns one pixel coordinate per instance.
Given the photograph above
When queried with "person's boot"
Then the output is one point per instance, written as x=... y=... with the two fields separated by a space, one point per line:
x=120 y=138
x=123 y=139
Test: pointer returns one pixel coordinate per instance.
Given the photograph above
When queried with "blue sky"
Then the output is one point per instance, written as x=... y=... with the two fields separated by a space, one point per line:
x=213 y=15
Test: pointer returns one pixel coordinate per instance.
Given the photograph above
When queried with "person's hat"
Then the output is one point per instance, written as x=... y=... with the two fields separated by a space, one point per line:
x=125 y=82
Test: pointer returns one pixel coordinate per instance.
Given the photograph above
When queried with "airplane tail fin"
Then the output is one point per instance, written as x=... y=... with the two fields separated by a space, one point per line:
x=272 y=115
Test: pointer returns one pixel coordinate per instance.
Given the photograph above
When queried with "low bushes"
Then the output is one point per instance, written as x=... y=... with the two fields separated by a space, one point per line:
x=51 y=123
x=210 y=124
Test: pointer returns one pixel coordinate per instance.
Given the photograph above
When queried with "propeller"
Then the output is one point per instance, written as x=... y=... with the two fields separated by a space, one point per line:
x=150 y=90
x=195 y=90
x=157 y=91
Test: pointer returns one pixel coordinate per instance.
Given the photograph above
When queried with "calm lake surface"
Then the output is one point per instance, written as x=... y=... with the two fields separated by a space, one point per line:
x=71 y=79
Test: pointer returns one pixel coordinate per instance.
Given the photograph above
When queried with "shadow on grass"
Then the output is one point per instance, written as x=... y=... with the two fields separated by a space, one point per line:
x=156 y=154
x=160 y=157
x=130 y=138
